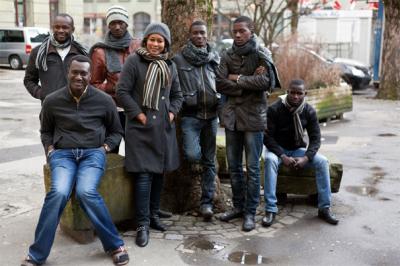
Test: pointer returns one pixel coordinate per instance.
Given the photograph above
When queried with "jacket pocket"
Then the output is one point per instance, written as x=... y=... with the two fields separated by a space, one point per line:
x=190 y=99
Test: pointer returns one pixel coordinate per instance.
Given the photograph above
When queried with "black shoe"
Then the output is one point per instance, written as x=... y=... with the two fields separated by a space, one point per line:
x=142 y=236
x=268 y=219
x=206 y=212
x=327 y=216
x=164 y=214
x=248 y=223
x=231 y=214
x=156 y=224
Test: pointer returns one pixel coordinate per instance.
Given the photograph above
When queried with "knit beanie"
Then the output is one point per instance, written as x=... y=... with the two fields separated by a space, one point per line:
x=117 y=13
x=158 y=28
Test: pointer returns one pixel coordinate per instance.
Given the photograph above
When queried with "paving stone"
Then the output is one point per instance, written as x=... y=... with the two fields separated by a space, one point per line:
x=231 y=235
x=167 y=222
x=173 y=237
x=265 y=229
x=189 y=232
x=176 y=228
x=288 y=220
x=183 y=224
x=174 y=218
x=228 y=226
x=129 y=234
x=201 y=224
x=213 y=227
x=172 y=232
x=251 y=233
x=208 y=232
x=277 y=226
x=157 y=235
x=297 y=214
x=268 y=234
x=188 y=219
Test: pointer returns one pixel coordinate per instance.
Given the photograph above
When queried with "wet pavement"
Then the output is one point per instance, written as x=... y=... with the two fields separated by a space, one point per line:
x=366 y=141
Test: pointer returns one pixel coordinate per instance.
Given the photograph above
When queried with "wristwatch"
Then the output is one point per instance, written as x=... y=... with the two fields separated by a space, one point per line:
x=106 y=147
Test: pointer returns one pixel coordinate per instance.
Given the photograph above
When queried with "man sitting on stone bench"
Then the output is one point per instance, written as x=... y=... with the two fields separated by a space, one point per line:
x=286 y=120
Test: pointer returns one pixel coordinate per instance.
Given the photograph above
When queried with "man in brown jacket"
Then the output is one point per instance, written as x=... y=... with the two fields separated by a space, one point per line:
x=109 y=56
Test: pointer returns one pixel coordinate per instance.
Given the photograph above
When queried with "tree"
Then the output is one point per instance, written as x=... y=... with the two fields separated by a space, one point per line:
x=389 y=87
x=182 y=189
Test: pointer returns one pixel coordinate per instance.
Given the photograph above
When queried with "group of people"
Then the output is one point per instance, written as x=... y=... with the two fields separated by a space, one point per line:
x=131 y=88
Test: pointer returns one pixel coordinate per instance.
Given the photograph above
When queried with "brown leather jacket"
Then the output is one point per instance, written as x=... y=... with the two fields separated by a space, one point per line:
x=101 y=78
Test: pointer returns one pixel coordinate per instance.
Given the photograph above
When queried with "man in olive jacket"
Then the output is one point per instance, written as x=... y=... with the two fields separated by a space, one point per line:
x=197 y=64
x=47 y=67
x=245 y=74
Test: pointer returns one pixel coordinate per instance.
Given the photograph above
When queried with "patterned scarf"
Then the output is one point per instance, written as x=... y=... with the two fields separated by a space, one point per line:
x=197 y=56
x=248 y=48
x=157 y=77
x=112 y=46
x=41 y=59
x=298 y=128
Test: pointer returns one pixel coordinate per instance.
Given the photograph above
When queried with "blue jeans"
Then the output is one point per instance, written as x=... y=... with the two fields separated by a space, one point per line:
x=199 y=145
x=319 y=163
x=82 y=169
x=253 y=145
x=148 y=188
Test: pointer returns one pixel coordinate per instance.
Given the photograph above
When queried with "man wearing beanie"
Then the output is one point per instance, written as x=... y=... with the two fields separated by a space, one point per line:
x=109 y=56
x=197 y=64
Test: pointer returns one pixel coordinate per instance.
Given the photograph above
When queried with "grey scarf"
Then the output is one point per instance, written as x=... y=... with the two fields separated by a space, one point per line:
x=197 y=56
x=299 y=131
x=157 y=77
x=112 y=46
x=41 y=58
x=249 y=48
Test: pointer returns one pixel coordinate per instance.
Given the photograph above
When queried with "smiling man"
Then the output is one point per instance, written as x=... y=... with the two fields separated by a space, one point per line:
x=197 y=64
x=109 y=56
x=78 y=125
x=46 y=69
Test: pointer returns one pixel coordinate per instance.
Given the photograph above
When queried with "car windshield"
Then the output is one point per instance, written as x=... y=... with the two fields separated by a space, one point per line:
x=38 y=35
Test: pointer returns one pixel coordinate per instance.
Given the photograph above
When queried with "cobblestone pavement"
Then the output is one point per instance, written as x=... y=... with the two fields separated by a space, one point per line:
x=185 y=226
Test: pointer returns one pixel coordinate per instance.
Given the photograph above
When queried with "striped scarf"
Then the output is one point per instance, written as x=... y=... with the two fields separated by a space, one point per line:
x=41 y=58
x=157 y=77
x=298 y=128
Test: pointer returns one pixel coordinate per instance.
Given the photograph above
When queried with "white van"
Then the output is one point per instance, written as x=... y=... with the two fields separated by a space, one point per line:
x=17 y=43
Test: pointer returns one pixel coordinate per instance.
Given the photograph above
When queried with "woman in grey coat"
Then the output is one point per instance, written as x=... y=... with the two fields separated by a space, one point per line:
x=149 y=92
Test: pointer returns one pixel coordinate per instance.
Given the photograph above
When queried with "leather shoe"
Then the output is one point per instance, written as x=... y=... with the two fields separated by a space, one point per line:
x=156 y=224
x=142 y=236
x=268 y=219
x=248 y=223
x=231 y=214
x=164 y=214
x=327 y=216
x=206 y=212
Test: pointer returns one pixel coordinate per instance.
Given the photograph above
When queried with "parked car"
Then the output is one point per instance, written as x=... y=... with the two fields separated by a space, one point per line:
x=17 y=43
x=353 y=72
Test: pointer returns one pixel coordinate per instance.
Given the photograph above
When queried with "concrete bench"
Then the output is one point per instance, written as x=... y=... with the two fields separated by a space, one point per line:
x=117 y=189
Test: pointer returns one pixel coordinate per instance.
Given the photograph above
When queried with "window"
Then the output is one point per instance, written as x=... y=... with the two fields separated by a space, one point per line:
x=53 y=10
x=14 y=36
x=140 y=22
x=2 y=36
x=20 y=13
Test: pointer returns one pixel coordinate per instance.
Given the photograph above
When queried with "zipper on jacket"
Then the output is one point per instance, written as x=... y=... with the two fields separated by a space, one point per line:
x=204 y=88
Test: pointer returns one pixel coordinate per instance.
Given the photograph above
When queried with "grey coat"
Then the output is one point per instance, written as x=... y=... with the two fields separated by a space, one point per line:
x=150 y=148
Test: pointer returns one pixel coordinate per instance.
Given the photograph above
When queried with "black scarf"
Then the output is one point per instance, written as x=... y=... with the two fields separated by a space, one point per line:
x=197 y=56
x=112 y=46
x=41 y=58
x=248 y=48
x=157 y=76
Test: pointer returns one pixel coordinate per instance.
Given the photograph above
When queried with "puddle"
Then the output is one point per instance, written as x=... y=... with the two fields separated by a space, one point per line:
x=387 y=135
x=11 y=119
x=376 y=168
x=196 y=244
x=384 y=199
x=363 y=190
x=376 y=178
x=247 y=258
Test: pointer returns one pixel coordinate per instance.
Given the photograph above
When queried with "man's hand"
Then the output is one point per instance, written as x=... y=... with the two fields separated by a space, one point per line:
x=142 y=118
x=171 y=117
x=233 y=77
x=260 y=70
x=49 y=150
x=300 y=162
x=288 y=161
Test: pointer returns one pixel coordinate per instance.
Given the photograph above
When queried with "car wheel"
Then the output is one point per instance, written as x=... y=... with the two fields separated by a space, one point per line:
x=15 y=62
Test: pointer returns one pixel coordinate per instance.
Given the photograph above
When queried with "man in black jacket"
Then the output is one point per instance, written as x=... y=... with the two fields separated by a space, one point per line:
x=244 y=76
x=48 y=61
x=196 y=65
x=287 y=119
x=79 y=124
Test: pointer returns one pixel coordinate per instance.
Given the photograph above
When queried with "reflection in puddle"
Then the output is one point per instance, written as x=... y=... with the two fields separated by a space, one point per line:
x=247 y=258
x=387 y=135
x=362 y=190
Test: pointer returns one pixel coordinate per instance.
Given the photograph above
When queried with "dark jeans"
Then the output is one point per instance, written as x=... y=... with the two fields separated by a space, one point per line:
x=199 y=144
x=246 y=195
x=147 y=196
x=122 y=118
x=82 y=169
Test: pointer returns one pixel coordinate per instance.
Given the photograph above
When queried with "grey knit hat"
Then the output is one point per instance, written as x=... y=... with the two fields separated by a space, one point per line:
x=117 y=13
x=158 y=28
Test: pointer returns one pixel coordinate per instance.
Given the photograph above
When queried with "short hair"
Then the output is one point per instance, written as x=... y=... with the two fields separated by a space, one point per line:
x=297 y=82
x=197 y=23
x=247 y=20
x=79 y=58
x=65 y=15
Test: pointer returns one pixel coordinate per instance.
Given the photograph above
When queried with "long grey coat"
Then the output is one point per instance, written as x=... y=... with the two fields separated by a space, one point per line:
x=150 y=148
